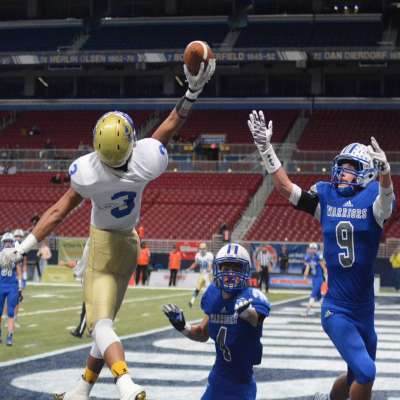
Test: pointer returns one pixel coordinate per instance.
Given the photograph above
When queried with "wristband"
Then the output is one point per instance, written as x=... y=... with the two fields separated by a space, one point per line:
x=29 y=243
x=270 y=160
x=184 y=106
x=186 y=329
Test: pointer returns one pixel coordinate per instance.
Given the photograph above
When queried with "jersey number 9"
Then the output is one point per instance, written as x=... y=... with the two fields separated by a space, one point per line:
x=345 y=240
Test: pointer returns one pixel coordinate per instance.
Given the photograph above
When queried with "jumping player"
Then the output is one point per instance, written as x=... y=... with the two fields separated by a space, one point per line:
x=352 y=209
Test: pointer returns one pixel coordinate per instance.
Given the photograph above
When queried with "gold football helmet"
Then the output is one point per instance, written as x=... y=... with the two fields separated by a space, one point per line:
x=114 y=137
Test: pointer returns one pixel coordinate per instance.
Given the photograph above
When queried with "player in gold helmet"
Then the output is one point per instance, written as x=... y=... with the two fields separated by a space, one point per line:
x=113 y=177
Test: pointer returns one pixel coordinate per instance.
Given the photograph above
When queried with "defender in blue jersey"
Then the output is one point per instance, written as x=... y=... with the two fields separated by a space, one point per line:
x=352 y=209
x=10 y=289
x=234 y=317
x=315 y=264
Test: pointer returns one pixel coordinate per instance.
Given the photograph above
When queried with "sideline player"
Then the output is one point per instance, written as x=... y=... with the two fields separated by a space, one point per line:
x=10 y=288
x=204 y=260
x=113 y=177
x=352 y=209
x=315 y=264
x=234 y=320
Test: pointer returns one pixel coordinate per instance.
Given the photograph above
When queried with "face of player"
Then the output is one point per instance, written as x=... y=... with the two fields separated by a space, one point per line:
x=231 y=268
x=312 y=251
x=8 y=244
x=347 y=176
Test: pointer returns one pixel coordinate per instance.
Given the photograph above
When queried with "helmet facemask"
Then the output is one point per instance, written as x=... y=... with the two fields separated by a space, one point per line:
x=231 y=275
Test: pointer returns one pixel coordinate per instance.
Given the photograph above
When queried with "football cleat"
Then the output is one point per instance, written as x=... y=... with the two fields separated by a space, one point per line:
x=66 y=396
x=139 y=394
x=9 y=341
x=59 y=396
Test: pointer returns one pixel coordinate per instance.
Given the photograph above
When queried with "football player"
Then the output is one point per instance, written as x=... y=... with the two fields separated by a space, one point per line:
x=315 y=264
x=10 y=288
x=352 y=209
x=113 y=177
x=204 y=260
x=234 y=320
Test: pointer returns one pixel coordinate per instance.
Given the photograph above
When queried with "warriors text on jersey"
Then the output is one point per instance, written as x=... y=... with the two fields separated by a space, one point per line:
x=116 y=194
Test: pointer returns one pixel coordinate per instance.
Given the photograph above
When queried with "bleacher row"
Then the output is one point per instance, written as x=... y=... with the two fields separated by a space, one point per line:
x=178 y=206
x=337 y=127
x=146 y=35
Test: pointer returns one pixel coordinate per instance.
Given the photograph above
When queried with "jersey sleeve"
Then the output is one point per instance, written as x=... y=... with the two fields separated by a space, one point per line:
x=206 y=300
x=150 y=158
x=80 y=175
x=260 y=302
x=309 y=202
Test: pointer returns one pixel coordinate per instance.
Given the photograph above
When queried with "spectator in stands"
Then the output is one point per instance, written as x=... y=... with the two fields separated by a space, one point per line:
x=66 y=179
x=140 y=231
x=225 y=233
x=34 y=131
x=263 y=260
x=174 y=265
x=284 y=259
x=142 y=264
x=395 y=261
x=56 y=179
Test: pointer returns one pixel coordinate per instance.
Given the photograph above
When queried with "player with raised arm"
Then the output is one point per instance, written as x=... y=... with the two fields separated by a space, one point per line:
x=10 y=288
x=315 y=264
x=204 y=260
x=234 y=320
x=113 y=177
x=352 y=209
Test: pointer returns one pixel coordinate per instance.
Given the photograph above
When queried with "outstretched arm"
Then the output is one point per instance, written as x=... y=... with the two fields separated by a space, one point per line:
x=178 y=115
x=47 y=223
x=262 y=138
x=198 y=333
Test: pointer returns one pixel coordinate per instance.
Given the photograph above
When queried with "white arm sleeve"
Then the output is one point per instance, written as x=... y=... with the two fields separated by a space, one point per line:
x=383 y=205
x=295 y=195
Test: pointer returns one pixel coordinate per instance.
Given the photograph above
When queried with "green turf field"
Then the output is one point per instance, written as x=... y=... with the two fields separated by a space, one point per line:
x=49 y=312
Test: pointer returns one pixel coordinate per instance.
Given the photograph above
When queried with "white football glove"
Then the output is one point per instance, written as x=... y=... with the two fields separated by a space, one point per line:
x=261 y=134
x=262 y=138
x=197 y=82
x=243 y=307
x=379 y=157
x=10 y=256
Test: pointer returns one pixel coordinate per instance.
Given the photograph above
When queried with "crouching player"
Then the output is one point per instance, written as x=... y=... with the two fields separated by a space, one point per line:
x=234 y=320
x=10 y=288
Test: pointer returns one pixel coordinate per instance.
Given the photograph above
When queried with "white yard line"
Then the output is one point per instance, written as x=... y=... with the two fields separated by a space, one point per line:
x=85 y=346
x=128 y=301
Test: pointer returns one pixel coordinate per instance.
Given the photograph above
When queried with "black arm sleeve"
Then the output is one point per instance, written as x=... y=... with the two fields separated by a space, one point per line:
x=308 y=202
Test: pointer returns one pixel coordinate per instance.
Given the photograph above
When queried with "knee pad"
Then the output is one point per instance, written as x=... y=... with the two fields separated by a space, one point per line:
x=104 y=335
x=95 y=351
x=366 y=374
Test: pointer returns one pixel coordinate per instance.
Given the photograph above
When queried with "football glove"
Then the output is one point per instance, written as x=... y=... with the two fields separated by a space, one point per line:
x=175 y=316
x=262 y=139
x=379 y=157
x=261 y=134
x=197 y=82
x=10 y=256
x=242 y=307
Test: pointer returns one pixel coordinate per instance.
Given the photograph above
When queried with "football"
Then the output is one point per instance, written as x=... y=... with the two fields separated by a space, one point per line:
x=196 y=52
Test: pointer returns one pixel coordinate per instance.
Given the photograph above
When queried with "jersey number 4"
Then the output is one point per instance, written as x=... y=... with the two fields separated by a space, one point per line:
x=129 y=204
x=221 y=340
x=345 y=240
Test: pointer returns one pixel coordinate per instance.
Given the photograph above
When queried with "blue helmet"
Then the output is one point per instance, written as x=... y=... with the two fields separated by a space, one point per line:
x=232 y=281
x=356 y=154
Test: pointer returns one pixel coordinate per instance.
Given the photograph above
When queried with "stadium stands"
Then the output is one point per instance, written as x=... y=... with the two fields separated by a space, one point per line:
x=65 y=128
x=146 y=36
x=233 y=123
x=341 y=127
x=310 y=34
x=37 y=38
x=179 y=206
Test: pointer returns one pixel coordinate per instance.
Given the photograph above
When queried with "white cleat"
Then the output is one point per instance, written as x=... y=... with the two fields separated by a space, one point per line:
x=321 y=396
x=138 y=394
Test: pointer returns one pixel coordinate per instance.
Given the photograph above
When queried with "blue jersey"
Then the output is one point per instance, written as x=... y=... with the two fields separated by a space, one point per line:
x=314 y=261
x=237 y=343
x=8 y=276
x=351 y=240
